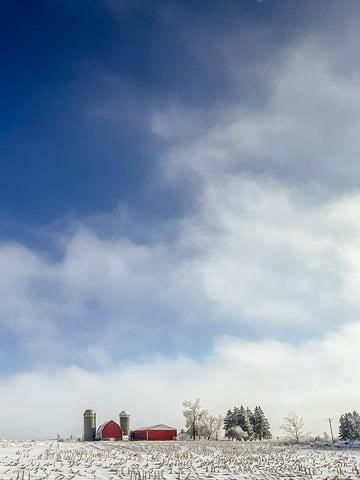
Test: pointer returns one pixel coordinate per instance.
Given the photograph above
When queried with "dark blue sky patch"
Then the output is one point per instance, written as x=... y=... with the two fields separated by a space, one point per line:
x=57 y=157
x=57 y=56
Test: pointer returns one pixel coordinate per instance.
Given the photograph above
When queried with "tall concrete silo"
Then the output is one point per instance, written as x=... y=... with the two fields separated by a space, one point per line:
x=89 y=425
x=125 y=422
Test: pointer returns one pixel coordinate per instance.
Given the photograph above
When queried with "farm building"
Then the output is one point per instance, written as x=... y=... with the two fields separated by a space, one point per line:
x=109 y=431
x=124 y=423
x=154 y=432
x=89 y=425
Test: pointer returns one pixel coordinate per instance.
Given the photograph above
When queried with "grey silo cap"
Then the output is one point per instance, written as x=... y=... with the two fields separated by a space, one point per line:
x=89 y=413
x=123 y=413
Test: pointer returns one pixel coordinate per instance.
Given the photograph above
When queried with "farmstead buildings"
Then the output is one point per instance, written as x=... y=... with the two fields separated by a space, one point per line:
x=110 y=430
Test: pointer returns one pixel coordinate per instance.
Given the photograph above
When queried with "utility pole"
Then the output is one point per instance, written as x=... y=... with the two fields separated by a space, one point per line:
x=332 y=436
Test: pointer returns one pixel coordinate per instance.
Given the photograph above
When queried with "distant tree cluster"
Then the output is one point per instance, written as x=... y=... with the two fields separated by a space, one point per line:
x=199 y=422
x=349 y=428
x=243 y=424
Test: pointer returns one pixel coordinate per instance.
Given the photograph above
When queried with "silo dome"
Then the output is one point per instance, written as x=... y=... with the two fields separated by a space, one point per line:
x=124 y=413
x=89 y=412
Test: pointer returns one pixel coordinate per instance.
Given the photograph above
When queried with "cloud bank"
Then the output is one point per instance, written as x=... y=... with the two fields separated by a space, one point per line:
x=275 y=374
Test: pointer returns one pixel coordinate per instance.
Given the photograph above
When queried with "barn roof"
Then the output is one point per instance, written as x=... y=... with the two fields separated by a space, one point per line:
x=160 y=426
x=101 y=428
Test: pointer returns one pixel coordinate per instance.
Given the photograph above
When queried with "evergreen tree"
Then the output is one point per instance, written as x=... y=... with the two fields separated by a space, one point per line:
x=356 y=423
x=230 y=421
x=253 y=425
x=346 y=427
x=251 y=420
x=266 y=429
x=244 y=423
x=349 y=428
x=261 y=425
x=236 y=415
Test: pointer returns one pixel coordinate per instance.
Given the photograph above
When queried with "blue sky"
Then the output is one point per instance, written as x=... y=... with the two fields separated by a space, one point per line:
x=179 y=203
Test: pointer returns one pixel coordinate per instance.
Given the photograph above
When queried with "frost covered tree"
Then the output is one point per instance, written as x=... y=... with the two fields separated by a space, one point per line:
x=195 y=417
x=261 y=425
x=210 y=425
x=349 y=428
x=237 y=433
x=218 y=424
x=356 y=420
x=255 y=425
x=245 y=423
x=251 y=418
x=293 y=426
x=229 y=421
x=206 y=426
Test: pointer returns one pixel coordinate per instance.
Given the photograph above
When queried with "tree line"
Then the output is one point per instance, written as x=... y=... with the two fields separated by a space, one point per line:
x=239 y=423
x=244 y=424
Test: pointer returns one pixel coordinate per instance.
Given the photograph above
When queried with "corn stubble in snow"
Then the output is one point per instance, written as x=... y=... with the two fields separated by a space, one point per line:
x=173 y=461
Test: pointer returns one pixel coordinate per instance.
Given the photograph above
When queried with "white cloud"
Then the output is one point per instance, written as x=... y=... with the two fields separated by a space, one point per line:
x=277 y=200
x=261 y=255
x=250 y=255
x=307 y=131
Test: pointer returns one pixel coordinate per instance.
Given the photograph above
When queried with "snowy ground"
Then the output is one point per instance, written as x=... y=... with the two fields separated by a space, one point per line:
x=172 y=460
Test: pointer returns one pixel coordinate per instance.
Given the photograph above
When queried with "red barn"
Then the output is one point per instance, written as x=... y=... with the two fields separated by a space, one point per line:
x=109 y=431
x=154 y=432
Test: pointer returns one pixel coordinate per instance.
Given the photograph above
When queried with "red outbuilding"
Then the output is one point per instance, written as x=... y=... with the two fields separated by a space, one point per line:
x=109 y=431
x=154 y=432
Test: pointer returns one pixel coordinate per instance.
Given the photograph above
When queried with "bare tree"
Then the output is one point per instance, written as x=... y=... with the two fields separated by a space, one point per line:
x=218 y=425
x=211 y=425
x=206 y=426
x=293 y=426
x=194 y=417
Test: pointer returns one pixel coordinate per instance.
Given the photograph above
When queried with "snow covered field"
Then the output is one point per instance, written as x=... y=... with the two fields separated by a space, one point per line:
x=175 y=460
